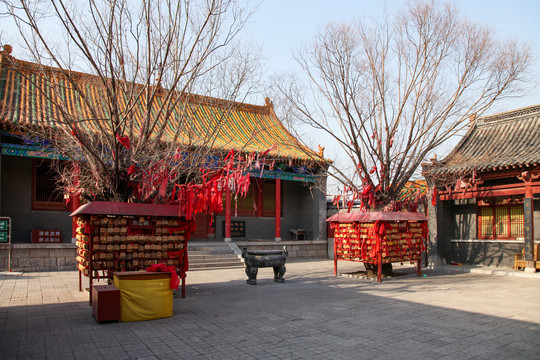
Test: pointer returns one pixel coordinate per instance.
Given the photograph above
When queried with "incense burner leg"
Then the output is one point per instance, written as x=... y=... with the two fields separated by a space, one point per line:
x=279 y=271
x=251 y=272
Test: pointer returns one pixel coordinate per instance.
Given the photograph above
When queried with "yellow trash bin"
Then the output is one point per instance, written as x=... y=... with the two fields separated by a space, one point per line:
x=144 y=295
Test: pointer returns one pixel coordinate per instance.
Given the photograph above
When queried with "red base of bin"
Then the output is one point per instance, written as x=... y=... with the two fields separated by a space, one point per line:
x=105 y=303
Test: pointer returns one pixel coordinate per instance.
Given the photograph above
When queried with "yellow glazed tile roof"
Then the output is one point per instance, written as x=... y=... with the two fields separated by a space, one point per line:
x=26 y=98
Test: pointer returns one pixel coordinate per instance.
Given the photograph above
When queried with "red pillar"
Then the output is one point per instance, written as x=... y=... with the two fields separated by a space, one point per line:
x=278 y=209
x=335 y=257
x=211 y=220
x=75 y=202
x=258 y=193
x=379 y=257
x=90 y=263
x=528 y=216
x=528 y=211
x=227 y=214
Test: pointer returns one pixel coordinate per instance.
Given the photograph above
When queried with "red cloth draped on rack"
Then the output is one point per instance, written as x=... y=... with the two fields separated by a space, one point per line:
x=161 y=267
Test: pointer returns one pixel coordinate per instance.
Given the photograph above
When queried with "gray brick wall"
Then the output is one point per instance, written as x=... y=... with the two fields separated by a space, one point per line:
x=38 y=257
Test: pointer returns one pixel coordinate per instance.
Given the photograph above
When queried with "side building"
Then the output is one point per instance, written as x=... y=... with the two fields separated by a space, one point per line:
x=289 y=195
x=486 y=206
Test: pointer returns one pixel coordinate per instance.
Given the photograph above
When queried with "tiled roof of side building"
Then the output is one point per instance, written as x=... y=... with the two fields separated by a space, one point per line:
x=25 y=98
x=506 y=140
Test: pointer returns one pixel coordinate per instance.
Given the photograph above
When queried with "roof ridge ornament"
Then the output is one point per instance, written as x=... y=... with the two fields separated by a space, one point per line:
x=475 y=120
x=6 y=49
x=268 y=103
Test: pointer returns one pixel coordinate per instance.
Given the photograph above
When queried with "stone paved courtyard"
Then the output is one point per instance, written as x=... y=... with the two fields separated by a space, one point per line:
x=313 y=315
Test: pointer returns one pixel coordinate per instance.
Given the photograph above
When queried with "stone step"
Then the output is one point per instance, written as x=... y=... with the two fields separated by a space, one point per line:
x=209 y=247
x=209 y=250
x=216 y=255
x=215 y=266
x=213 y=260
x=202 y=256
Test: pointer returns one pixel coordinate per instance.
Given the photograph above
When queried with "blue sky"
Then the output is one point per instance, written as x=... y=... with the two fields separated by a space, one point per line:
x=280 y=26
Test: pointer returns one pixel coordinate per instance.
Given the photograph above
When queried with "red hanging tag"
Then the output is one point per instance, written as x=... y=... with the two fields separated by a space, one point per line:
x=163 y=187
x=124 y=140
x=131 y=169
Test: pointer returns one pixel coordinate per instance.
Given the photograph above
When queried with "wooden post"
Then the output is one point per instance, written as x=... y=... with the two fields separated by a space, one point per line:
x=75 y=203
x=278 y=209
x=90 y=262
x=378 y=239
x=185 y=261
x=211 y=220
x=528 y=210
x=528 y=221
x=335 y=257
x=258 y=194
x=228 y=214
x=80 y=279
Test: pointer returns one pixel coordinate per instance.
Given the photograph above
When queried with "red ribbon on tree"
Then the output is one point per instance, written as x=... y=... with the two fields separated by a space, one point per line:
x=124 y=140
x=131 y=169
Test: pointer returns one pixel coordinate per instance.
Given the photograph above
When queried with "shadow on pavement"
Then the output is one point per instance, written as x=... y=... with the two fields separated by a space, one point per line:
x=313 y=315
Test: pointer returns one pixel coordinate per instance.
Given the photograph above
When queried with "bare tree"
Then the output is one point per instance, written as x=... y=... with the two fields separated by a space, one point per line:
x=120 y=76
x=391 y=92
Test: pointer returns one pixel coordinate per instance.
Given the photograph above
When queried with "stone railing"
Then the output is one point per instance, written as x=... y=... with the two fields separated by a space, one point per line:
x=301 y=249
x=62 y=257
x=39 y=257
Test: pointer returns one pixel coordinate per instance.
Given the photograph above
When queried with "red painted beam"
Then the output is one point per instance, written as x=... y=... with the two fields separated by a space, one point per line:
x=479 y=187
x=488 y=192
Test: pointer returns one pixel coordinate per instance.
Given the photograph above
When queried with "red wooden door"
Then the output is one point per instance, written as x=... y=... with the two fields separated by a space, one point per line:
x=202 y=221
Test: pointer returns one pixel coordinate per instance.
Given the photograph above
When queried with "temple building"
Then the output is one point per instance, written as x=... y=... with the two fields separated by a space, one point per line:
x=486 y=208
x=281 y=197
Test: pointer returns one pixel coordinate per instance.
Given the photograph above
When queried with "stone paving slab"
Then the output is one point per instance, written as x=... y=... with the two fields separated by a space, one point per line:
x=313 y=315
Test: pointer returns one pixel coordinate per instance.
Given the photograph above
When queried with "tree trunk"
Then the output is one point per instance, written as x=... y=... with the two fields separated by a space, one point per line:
x=371 y=269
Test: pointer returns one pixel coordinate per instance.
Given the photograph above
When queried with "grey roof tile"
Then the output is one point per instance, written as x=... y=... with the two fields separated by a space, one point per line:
x=509 y=139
